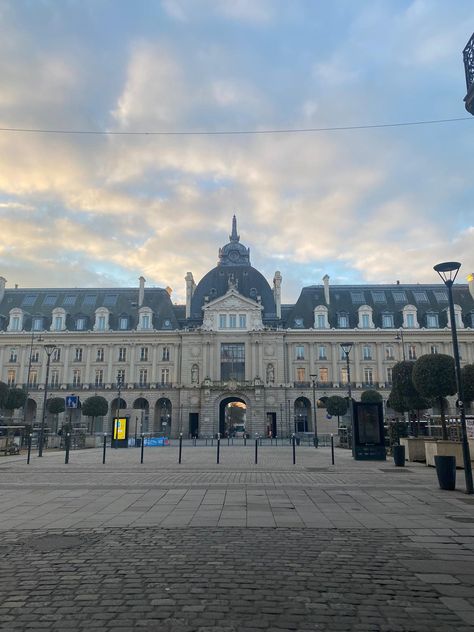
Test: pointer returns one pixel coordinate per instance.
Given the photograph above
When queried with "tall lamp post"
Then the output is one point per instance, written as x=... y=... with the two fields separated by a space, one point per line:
x=315 y=420
x=399 y=338
x=116 y=423
x=27 y=383
x=448 y=272
x=49 y=348
x=346 y=349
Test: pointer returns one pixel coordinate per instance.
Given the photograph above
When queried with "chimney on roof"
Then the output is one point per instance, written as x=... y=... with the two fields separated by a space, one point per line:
x=326 y=288
x=398 y=282
x=190 y=287
x=3 y=282
x=470 y=280
x=141 y=291
x=277 y=293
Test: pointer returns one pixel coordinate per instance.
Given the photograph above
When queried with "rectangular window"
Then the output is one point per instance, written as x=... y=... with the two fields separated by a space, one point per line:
x=321 y=321
x=29 y=300
x=58 y=323
x=344 y=379
x=11 y=377
x=242 y=321
x=54 y=381
x=122 y=354
x=387 y=321
x=358 y=298
x=100 y=354
x=99 y=377
x=123 y=322
x=143 y=377
x=389 y=352
x=367 y=352
x=80 y=324
x=389 y=374
x=76 y=377
x=15 y=326
x=101 y=323
x=432 y=321
x=50 y=299
x=110 y=300
x=37 y=324
x=89 y=300
x=441 y=296
x=322 y=355
x=56 y=357
x=399 y=296
x=69 y=300
x=343 y=321
x=13 y=355
x=232 y=321
x=33 y=378
x=368 y=376
x=166 y=354
x=434 y=349
x=378 y=296
x=233 y=362
x=78 y=354
x=144 y=354
x=145 y=321
x=458 y=319
x=411 y=320
x=420 y=297
x=411 y=352
x=121 y=377
x=324 y=375
x=299 y=352
x=300 y=374
x=222 y=321
x=35 y=355
x=365 y=321
x=165 y=376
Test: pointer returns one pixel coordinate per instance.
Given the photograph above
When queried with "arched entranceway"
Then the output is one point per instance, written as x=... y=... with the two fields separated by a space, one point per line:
x=163 y=411
x=232 y=417
x=141 y=409
x=302 y=414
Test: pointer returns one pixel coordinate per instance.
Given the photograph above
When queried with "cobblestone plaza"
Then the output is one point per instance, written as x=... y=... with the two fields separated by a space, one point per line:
x=237 y=546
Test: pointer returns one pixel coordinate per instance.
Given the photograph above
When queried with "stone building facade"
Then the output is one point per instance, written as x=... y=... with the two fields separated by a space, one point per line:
x=177 y=367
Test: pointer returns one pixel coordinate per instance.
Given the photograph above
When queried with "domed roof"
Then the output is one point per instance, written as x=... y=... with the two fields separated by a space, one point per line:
x=233 y=270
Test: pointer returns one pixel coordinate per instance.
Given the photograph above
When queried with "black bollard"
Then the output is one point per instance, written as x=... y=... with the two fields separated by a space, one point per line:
x=104 y=448
x=228 y=440
x=29 y=449
x=142 y=447
x=294 y=449
x=256 y=451
x=218 y=448
x=180 y=446
x=66 y=457
x=276 y=440
x=332 y=449
x=245 y=440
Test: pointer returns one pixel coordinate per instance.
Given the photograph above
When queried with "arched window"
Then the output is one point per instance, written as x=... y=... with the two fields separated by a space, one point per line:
x=101 y=319
x=410 y=320
x=365 y=317
x=321 y=317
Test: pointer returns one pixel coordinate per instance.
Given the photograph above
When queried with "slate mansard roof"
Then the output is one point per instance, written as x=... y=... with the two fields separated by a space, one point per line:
x=383 y=299
x=83 y=302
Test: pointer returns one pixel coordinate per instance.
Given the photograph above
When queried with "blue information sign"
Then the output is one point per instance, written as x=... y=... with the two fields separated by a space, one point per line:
x=72 y=401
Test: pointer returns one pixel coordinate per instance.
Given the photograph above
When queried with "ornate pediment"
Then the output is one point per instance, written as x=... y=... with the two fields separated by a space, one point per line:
x=232 y=303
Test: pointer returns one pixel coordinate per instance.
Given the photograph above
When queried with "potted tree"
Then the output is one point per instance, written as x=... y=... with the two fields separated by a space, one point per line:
x=16 y=398
x=467 y=377
x=434 y=378
x=55 y=406
x=336 y=406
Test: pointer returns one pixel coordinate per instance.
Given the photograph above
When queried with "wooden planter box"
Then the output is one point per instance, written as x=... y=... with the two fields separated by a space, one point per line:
x=414 y=448
x=444 y=448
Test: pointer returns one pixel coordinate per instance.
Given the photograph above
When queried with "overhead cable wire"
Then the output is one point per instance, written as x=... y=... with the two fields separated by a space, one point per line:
x=300 y=130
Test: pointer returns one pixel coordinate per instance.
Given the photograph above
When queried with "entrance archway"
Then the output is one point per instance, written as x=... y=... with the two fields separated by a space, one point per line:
x=302 y=414
x=232 y=417
x=163 y=410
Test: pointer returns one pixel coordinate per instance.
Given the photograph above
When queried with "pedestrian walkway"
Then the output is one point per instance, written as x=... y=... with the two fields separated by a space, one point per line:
x=234 y=546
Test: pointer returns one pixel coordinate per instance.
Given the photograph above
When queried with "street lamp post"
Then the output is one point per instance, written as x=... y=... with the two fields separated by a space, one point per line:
x=117 y=417
x=346 y=348
x=448 y=272
x=27 y=383
x=315 y=420
x=399 y=337
x=49 y=348
x=288 y=417
x=281 y=421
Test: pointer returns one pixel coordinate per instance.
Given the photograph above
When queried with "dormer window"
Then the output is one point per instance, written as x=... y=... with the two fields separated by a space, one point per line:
x=37 y=323
x=58 y=322
x=123 y=322
x=343 y=320
x=101 y=319
x=80 y=324
x=457 y=317
x=321 y=317
x=387 y=321
x=432 y=321
x=16 y=320
x=410 y=320
x=365 y=317
x=145 y=319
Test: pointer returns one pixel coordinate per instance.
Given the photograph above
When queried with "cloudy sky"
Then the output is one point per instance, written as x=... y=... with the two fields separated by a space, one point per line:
x=370 y=205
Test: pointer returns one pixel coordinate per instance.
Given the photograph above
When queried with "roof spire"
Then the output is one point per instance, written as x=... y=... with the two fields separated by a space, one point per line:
x=234 y=236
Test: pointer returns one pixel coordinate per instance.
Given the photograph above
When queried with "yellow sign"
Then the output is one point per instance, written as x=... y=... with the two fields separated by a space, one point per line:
x=120 y=428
